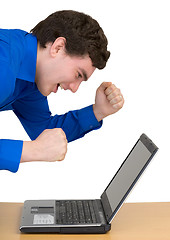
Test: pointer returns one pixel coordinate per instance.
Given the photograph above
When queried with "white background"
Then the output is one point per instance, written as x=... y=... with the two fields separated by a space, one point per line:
x=139 y=40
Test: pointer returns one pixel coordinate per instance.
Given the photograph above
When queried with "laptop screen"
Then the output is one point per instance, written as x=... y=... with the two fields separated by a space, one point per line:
x=126 y=176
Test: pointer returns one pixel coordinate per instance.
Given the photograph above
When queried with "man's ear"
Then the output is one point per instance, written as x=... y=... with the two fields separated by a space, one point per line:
x=57 y=45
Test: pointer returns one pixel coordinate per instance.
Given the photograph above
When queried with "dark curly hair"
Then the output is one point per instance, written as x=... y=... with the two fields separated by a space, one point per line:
x=83 y=35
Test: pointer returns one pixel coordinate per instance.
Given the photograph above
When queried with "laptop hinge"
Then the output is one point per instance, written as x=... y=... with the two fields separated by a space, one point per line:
x=106 y=206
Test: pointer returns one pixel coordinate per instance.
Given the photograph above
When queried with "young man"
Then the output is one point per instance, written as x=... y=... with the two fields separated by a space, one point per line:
x=61 y=51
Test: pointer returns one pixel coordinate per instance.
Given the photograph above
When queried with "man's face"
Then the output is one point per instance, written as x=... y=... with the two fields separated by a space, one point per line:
x=61 y=70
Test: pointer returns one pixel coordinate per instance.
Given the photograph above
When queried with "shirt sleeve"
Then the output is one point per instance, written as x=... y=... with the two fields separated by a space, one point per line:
x=10 y=154
x=10 y=150
x=35 y=116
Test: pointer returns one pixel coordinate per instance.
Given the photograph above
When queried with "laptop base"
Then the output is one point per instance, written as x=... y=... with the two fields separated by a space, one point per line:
x=41 y=216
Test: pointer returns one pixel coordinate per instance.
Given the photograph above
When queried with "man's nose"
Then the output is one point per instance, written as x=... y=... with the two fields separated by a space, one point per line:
x=74 y=86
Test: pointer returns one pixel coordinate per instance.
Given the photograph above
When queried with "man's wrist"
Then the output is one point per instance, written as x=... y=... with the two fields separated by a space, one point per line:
x=29 y=152
x=99 y=116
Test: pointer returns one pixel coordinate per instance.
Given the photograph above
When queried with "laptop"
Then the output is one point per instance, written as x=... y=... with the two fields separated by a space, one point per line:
x=93 y=215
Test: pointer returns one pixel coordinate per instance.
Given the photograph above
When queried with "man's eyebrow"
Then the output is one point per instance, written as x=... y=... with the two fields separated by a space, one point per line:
x=84 y=74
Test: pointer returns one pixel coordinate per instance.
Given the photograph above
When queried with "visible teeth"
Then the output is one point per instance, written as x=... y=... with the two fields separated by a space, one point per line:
x=60 y=86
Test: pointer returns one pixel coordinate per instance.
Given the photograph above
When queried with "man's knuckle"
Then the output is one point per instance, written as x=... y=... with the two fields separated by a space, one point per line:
x=120 y=104
x=59 y=130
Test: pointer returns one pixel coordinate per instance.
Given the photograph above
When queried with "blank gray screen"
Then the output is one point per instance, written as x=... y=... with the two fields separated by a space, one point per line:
x=127 y=174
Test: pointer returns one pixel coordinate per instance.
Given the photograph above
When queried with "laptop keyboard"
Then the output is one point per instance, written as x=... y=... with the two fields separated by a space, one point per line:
x=75 y=212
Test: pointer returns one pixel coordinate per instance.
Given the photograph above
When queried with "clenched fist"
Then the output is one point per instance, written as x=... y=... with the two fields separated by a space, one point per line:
x=50 y=145
x=109 y=100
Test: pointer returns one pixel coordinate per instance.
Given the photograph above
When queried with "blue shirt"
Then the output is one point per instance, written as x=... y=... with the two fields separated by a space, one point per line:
x=18 y=92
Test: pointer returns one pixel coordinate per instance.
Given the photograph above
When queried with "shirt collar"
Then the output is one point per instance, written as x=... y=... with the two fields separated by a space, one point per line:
x=28 y=66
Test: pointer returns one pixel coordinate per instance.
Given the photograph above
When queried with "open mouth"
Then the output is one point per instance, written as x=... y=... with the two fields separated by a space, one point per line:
x=56 y=88
x=59 y=85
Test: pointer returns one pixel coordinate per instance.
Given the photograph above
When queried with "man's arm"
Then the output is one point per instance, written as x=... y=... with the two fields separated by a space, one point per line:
x=51 y=144
x=45 y=129
x=35 y=116
x=10 y=150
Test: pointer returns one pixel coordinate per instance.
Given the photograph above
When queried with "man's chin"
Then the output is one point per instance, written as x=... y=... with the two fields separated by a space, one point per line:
x=44 y=93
